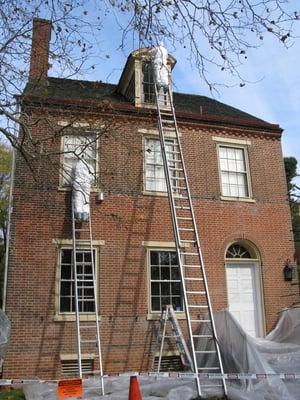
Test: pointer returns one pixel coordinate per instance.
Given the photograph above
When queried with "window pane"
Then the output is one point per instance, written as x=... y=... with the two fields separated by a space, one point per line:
x=155 y=273
x=66 y=256
x=176 y=288
x=175 y=273
x=155 y=288
x=155 y=304
x=65 y=304
x=165 y=273
x=154 y=258
x=177 y=303
x=165 y=258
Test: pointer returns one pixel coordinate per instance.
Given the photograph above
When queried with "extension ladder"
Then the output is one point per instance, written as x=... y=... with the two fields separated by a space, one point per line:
x=168 y=316
x=85 y=287
x=197 y=304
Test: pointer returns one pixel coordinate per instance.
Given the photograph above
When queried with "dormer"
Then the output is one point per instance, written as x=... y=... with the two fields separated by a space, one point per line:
x=136 y=82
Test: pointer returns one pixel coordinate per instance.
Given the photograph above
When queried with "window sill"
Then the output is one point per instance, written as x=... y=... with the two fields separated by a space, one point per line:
x=72 y=317
x=159 y=194
x=156 y=317
x=242 y=199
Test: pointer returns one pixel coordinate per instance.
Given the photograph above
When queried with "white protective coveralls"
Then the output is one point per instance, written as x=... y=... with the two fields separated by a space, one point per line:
x=83 y=178
x=159 y=55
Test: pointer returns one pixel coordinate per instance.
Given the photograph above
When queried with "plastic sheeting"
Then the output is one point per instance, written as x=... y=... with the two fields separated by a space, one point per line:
x=159 y=56
x=83 y=178
x=4 y=336
x=279 y=352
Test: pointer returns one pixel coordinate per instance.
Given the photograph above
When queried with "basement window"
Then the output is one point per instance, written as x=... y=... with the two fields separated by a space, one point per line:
x=169 y=362
x=69 y=367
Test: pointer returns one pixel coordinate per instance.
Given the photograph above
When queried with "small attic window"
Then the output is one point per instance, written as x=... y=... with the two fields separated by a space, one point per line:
x=148 y=95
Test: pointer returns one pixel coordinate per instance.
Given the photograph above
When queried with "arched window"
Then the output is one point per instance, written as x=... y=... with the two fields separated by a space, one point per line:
x=236 y=250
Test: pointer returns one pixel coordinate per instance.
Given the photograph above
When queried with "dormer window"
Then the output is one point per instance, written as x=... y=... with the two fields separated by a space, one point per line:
x=137 y=84
x=148 y=92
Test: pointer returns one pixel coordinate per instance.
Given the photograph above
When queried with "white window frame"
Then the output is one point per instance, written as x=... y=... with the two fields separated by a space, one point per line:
x=160 y=250
x=145 y=164
x=67 y=244
x=246 y=173
x=68 y=158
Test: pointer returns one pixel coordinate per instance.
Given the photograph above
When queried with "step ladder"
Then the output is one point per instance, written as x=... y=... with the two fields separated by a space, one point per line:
x=168 y=318
x=197 y=304
x=85 y=287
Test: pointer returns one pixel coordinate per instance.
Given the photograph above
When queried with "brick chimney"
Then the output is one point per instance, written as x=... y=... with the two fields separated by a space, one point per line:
x=41 y=35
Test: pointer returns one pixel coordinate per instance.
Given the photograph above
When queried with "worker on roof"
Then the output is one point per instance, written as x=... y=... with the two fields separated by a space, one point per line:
x=159 y=56
x=83 y=177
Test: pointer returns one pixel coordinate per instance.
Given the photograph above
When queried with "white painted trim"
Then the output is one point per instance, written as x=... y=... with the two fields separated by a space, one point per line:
x=67 y=244
x=83 y=243
x=242 y=142
x=161 y=245
x=245 y=150
x=73 y=356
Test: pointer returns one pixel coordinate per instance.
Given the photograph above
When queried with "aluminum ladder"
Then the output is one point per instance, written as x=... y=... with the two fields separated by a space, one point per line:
x=168 y=317
x=88 y=332
x=197 y=304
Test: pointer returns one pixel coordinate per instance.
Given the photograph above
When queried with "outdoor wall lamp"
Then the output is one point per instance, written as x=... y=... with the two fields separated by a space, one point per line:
x=288 y=271
x=99 y=197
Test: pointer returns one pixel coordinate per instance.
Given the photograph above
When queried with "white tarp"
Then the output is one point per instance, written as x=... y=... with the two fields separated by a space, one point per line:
x=279 y=352
x=83 y=178
x=4 y=336
x=159 y=55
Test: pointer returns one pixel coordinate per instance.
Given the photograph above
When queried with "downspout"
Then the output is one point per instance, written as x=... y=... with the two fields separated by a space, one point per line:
x=10 y=209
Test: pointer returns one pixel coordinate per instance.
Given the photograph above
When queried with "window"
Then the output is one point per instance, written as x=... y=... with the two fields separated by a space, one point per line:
x=73 y=148
x=165 y=282
x=85 y=285
x=148 y=83
x=237 y=251
x=234 y=174
x=154 y=169
x=148 y=92
x=69 y=368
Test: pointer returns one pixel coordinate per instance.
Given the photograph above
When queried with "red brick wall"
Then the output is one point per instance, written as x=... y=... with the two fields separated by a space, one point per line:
x=125 y=219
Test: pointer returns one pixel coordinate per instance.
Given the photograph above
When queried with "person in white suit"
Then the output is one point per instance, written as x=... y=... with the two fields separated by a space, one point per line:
x=159 y=55
x=83 y=177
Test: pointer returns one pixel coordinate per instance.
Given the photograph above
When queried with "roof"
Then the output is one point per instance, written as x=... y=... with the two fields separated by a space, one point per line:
x=188 y=104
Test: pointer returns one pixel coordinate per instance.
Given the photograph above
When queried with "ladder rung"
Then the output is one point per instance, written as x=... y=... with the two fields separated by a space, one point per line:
x=168 y=121
x=182 y=197
x=205 y=351
x=81 y=230
x=191 y=265
x=208 y=368
x=182 y=207
x=187 y=229
x=188 y=241
x=193 y=279
x=212 y=386
x=195 y=292
x=88 y=341
x=179 y=187
x=198 y=306
x=185 y=218
x=200 y=320
x=203 y=336
x=88 y=326
x=176 y=169
x=188 y=254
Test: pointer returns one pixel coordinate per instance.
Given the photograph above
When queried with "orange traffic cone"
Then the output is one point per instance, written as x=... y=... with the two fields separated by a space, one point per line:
x=134 y=389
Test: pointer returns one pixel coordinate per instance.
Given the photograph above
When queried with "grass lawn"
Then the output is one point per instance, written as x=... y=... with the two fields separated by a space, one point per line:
x=15 y=394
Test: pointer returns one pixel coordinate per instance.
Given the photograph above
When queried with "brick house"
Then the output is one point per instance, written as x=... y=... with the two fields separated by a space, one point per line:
x=236 y=174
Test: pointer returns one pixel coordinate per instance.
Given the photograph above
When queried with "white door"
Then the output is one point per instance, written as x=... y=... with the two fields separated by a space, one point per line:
x=244 y=296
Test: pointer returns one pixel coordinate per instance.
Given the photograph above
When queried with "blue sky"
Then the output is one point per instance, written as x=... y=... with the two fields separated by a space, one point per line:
x=273 y=91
